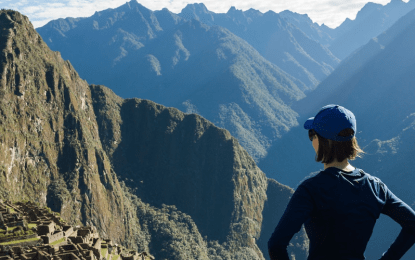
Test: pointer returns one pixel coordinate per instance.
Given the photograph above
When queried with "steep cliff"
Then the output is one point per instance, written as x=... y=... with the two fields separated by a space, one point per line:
x=50 y=146
x=171 y=158
x=150 y=177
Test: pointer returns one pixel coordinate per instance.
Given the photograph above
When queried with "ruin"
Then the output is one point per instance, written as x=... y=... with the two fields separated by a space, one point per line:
x=30 y=232
x=10 y=216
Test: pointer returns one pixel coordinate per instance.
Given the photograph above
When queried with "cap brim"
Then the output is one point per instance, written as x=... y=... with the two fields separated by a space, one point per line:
x=309 y=123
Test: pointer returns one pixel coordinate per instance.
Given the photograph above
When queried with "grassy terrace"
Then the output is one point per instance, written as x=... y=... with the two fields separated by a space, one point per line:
x=57 y=241
x=8 y=229
x=115 y=257
x=19 y=241
x=104 y=251
x=11 y=228
x=31 y=225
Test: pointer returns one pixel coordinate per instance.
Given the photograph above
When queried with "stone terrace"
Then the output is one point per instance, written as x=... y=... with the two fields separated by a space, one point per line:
x=42 y=234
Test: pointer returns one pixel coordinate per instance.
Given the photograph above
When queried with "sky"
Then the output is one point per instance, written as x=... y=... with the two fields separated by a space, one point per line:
x=330 y=12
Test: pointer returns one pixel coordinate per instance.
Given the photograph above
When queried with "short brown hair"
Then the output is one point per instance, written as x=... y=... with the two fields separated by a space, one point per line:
x=329 y=150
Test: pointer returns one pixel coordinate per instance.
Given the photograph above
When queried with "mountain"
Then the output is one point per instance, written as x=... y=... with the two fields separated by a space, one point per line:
x=319 y=33
x=277 y=38
x=190 y=66
x=256 y=28
x=149 y=177
x=375 y=83
x=371 y=20
x=117 y=33
x=168 y=158
x=51 y=151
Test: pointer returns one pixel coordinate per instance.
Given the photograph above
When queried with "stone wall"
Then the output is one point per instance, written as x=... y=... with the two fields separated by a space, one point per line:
x=53 y=237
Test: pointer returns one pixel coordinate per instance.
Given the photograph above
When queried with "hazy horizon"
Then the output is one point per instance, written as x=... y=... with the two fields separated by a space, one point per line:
x=330 y=12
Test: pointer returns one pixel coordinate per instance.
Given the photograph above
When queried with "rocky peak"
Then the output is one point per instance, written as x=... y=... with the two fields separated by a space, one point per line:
x=297 y=16
x=367 y=10
x=198 y=12
x=134 y=4
x=196 y=8
x=167 y=19
x=232 y=9
x=253 y=12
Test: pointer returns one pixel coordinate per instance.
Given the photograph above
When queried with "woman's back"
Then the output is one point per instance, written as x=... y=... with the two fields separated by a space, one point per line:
x=340 y=205
x=346 y=208
x=339 y=211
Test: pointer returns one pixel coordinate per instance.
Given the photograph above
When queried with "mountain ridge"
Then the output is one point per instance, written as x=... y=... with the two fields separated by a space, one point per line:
x=169 y=70
x=371 y=20
x=300 y=55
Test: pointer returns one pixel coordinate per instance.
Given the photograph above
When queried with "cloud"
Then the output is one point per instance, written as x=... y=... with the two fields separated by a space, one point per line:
x=330 y=12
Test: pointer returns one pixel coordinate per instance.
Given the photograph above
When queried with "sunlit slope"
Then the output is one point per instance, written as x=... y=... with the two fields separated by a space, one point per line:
x=290 y=42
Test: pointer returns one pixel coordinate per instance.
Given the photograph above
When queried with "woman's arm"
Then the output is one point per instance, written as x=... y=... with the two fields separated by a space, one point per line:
x=405 y=216
x=297 y=212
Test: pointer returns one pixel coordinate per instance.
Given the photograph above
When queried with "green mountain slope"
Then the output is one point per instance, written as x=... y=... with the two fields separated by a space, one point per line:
x=277 y=37
x=189 y=65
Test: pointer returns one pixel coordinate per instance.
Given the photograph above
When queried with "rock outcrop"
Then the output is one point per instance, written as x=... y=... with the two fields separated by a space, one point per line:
x=50 y=146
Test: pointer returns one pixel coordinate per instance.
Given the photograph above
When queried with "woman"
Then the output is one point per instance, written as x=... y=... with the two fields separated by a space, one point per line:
x=340 y=205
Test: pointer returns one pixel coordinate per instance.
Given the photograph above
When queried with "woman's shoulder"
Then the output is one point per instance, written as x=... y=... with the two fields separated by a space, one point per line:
x=316 y=178
x=332 y=174
x=370 y=177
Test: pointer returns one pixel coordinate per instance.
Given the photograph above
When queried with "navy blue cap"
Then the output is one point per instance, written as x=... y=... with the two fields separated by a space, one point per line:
x=330 y=121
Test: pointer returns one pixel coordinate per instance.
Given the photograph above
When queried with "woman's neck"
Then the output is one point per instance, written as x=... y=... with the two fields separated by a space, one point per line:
x=343 y=165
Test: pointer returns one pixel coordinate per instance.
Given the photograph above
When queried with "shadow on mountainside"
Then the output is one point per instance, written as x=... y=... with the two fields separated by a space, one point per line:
x=176 y=160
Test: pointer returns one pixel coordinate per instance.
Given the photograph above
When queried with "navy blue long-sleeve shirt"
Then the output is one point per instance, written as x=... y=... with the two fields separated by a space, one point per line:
x=339 y=211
